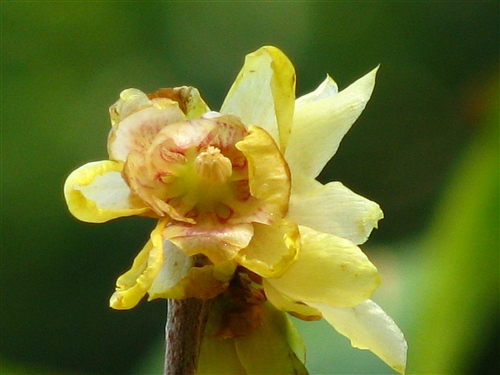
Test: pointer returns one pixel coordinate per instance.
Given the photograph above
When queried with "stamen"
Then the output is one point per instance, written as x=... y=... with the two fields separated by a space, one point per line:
x=212 y=166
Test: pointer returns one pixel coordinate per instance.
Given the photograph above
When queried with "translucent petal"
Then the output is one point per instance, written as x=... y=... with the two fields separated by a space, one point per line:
x=320 y=125
x=284 y=304
x=133 y=284
x=96 y=192
x=268 y=174
x=274 y=348
x=137 y=131
x=218 y=243
x=175 y=266
x=263 y=94
x=325 y=90
x=272 y=250
x=329 y=269
x=369 y=327
x=333 y=208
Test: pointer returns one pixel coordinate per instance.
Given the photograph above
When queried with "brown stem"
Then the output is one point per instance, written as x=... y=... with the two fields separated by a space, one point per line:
x=186 y=321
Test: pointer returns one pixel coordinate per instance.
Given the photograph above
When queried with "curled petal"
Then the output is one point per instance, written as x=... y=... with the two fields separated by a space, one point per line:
x=131 y=100
x=96 y=192
x=333 y=208
x=369 y=327
x=274 y=348
x=263 y=94
x=272 y=250
x=319 y=125
x=330 y=269
x=189 y=99
x=137 y=131
x=219 y=244
x=268 y=173
x=283 y=303
x=133 y=284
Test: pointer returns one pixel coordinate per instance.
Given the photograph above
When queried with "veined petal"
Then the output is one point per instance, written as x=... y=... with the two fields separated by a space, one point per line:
x=283 y=303
x=133 y=284
x=219 y=244
x=137 y=131
x=268 y=173
x=274 y=348
x=272 y=250
x=329 y=269
x=320 y=125
x=96 y=192
x=369 y=327
x=263 y=94
x=335 y=209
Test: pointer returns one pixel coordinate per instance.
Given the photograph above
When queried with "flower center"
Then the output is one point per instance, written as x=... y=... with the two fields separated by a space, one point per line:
x=193 y=171
x=212 y=167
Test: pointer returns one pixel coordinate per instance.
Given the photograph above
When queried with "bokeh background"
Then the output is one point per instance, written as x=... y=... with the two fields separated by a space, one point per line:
x=426 y=149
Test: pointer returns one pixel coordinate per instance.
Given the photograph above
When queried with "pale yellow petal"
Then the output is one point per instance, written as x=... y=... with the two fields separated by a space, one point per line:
x=130 y=101
x=174 y=267
x=326 y=89
x=137 y=131
x=272 y=250
x=274 y=348
x=329 y=269
x=319 y=125
x=268 y=174
x=369 y=327
x=283 y=303
x=333 y=208
x=263 y=94
x=96 y=192
x=133 y=284
x=180 y=280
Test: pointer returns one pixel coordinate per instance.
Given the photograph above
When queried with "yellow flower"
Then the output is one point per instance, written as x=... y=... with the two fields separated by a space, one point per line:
x=238 y=205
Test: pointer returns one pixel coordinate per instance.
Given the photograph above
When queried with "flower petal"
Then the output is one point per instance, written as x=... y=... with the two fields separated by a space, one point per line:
x=325 y=90
x=274 y=348
x=189 y=99
x=282 y=303
x=369 y=327
x=137 y=131
x=319 y=125
x=268 y=174
x=333 y=208
x=131 y=100
x=219 y=244
x=180 y=280
x=133 y=284
x=96 y=192
x=263 y=94
x=329 y=269
x=272 y=250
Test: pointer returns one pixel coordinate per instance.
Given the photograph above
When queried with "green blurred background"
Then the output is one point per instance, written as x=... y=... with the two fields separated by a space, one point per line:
x=426 y=149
